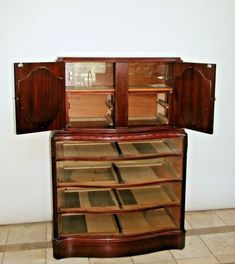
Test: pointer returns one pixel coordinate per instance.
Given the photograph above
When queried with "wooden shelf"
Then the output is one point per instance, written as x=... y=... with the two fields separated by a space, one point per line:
x=92 y=89
x=158 y=88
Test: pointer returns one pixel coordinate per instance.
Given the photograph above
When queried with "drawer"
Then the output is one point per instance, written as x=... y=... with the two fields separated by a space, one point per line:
x=122 y=224
x=103 y=149
x=115 y=173
x=115 y=200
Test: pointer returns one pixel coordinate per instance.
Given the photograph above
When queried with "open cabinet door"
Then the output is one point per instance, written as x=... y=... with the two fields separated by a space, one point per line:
x=194 y=96
x=40 y=96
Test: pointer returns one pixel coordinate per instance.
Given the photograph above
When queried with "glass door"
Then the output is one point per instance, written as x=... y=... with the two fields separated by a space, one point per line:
x=150 y=93
x=90 y=94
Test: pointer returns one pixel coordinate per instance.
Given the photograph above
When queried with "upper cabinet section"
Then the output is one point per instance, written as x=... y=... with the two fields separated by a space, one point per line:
x=114 y=93
x=39 y=95
x=90 y=90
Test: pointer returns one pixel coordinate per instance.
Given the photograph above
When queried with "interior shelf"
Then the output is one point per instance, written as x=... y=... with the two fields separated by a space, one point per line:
x=156 y=88
x=91 y=89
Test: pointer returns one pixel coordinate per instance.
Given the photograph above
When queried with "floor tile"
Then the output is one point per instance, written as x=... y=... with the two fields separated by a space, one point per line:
x=124 y=260
x=27 y=233
x=1 y=258
x=161 y=256
x=52 y=260
x=187 y=225
x=202 y=260
x=36 y=256
x=226 y=258
x=220 y=244
x=3 y=234
x=204 y=219
x=194 y=248
x=227 y=215
x=49 y=231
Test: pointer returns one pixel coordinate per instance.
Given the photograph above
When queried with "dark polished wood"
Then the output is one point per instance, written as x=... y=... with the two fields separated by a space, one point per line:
x=194 y=96
x=119 y=59
x=121 y=96
x=118 y=147
x=40 y=96
x=78 y=247
x=118 y=245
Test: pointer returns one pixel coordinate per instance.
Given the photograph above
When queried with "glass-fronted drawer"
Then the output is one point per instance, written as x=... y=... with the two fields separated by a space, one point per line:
x=122 y=224
x=130 y=172
x=121 y=149
x=100 y=200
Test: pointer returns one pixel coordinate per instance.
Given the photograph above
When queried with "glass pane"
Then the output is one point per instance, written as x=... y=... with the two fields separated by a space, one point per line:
x=89 y=75
x=149 y=75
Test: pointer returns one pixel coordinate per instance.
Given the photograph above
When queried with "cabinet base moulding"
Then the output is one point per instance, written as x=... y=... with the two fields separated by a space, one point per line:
x=108 y=247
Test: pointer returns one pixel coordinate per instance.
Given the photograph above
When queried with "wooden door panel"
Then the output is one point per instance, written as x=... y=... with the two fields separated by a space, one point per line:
x=194 y=96
x=40 y=96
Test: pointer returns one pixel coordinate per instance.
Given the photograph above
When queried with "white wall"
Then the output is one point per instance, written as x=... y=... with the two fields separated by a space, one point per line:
x=202 y=31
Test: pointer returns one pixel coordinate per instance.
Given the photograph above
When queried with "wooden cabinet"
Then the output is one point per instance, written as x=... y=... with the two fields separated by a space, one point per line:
x=118 y=149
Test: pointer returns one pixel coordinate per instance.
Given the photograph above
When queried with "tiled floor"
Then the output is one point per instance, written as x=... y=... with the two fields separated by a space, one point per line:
x=210 y=239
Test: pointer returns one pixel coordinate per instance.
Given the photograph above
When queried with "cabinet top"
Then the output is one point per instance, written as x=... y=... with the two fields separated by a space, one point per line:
x=120 y=59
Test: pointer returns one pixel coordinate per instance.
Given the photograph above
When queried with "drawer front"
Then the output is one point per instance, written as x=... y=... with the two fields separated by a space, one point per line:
x=120 y=225
x=119 y=173
x=119 y=200
x=118 y=150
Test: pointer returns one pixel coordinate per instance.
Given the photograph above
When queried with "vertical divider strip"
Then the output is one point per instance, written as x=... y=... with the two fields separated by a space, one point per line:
x=118 y=223
x=121 y=94
x=117 y=171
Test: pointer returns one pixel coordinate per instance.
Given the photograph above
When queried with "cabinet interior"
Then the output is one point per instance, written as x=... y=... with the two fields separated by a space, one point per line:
x=91 y=89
